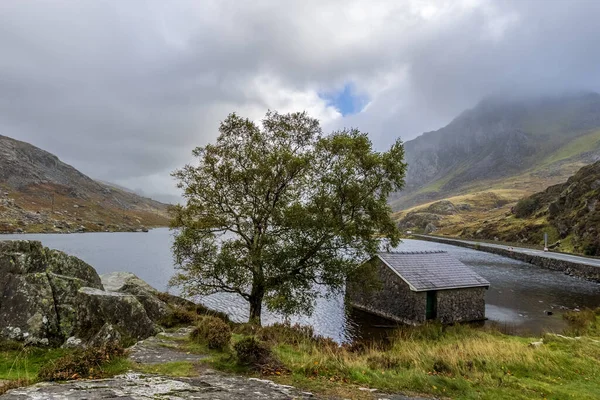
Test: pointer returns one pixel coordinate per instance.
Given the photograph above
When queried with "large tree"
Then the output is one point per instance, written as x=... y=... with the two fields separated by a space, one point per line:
x=273 y=210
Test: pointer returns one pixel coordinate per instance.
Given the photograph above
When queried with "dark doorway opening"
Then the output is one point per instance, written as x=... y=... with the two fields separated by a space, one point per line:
x=431 y=312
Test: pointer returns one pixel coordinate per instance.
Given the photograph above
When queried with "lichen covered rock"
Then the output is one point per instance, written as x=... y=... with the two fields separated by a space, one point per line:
x=123 y=311
x=48 y=297
x=126 y=282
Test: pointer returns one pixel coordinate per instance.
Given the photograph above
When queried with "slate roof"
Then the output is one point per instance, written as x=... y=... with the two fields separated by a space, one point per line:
x=432 y=270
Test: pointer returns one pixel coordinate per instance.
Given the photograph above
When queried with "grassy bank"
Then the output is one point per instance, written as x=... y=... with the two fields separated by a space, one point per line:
x=459 y=362
x=462 y=362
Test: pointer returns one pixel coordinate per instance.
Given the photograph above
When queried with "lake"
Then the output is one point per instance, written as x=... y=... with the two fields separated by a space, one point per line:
x=519 y=296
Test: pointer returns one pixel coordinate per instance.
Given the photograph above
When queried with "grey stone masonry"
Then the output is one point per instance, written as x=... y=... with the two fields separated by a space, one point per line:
x=406 y=282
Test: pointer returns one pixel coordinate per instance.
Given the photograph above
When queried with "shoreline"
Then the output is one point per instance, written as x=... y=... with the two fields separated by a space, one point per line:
x=587 y=271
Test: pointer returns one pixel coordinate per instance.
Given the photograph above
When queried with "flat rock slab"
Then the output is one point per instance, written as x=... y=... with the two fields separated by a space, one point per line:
x=158 y=350
x=135 y=386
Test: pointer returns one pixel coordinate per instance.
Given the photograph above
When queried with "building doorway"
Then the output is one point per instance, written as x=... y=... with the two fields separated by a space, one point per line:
x=431 y=310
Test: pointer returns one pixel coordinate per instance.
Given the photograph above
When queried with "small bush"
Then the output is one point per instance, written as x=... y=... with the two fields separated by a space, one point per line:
x=255 y=354
x=526 y=207
x=179 y=317
x=201 y=309
x=212 y=330
x=85 y=363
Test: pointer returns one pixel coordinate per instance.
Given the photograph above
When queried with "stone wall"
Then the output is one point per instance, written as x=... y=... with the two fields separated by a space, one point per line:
x=461 y=305
x=585 y=271
x=393 y=299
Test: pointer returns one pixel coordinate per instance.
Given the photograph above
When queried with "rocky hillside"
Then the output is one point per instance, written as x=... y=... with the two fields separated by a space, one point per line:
x=572 y=209
x=569 y=212
x=40 y=193
x=518 y=145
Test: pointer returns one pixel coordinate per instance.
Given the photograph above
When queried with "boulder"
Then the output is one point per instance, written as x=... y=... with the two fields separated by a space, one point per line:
x=430 y=228
x=126 y=282
x=123 y=311
x=49 y=297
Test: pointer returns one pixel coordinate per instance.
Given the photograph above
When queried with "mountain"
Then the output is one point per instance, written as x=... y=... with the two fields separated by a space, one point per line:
x=40 y=193
x=510 y=147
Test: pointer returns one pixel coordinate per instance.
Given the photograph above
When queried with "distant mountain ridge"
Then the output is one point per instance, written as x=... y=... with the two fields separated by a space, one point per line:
x=526 y=143
x=41 y=193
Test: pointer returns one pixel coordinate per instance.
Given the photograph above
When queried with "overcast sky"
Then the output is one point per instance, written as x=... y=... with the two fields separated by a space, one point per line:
x=124 y=90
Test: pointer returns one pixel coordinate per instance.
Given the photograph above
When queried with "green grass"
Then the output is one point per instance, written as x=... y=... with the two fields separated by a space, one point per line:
x=459 y=362
x=25 y=363
x=21 y=365
x=580 y=145
x=177 y=369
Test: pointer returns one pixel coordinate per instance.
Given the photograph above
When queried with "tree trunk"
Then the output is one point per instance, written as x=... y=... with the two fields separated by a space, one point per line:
x=256 y=300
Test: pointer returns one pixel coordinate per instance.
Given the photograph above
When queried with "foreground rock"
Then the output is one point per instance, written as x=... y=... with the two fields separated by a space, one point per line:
x=208 y=385
x=50 y=298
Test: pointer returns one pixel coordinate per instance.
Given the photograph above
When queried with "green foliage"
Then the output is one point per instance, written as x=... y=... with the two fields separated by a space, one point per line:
x=179 y=316
x=526 y=207
x=87 y=363
x=212 y=330
x=255 y=354
x=273 y=209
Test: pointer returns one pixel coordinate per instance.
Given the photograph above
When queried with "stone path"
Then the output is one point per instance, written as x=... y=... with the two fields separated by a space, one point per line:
x=208 y=384
x=158 y=349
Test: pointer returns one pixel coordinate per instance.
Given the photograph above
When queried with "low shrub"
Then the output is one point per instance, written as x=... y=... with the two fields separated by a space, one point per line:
x=85 y=363
x=179 y=316
x=255 y=354
x=526 y=207
x=201 y=309
x=212 y=330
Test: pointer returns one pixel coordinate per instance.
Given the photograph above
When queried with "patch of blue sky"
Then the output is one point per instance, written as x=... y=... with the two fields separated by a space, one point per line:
x=347 y=101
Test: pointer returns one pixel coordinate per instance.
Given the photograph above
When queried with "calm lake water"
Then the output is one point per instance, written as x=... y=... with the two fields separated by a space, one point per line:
x=519 y=296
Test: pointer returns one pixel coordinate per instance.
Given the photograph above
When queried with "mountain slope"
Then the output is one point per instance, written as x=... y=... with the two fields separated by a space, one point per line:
x=38 y=192
x=525 y=144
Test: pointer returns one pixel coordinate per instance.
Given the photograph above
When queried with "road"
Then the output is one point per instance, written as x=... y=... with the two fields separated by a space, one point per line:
x=547 y=254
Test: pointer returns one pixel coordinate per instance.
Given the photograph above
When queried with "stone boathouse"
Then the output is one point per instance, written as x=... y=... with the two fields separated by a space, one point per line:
x=413 y=287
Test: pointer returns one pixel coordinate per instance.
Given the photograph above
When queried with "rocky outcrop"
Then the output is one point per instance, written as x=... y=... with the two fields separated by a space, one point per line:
x=571 y=208
x=48 y=297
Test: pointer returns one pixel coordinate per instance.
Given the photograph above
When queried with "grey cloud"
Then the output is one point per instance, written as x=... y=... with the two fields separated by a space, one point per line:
x=123 y=90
